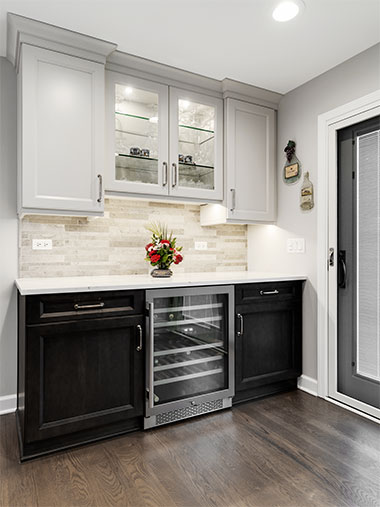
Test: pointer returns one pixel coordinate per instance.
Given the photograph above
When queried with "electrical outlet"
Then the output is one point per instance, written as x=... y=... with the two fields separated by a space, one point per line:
x=42 y=244
x=296 y=245
x=200 y=245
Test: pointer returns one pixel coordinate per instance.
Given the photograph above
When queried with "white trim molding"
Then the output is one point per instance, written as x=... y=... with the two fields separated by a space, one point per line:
x=308 y=384
x=8 y=404
x=328 y=125
x=22 y=30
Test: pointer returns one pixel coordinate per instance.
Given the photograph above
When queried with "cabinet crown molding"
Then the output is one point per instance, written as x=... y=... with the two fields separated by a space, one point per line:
x=248 y=93
x=22 y=30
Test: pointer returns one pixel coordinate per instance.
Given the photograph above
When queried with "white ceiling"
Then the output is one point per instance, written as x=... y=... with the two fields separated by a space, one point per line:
x=220 y=38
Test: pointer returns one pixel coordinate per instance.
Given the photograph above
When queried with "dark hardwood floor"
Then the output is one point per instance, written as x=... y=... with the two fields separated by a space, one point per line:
x=286 y=450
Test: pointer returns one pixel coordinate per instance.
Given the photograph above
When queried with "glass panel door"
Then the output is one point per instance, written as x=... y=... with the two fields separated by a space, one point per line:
x=196 y=124
x=140 y=141
x=190 y=346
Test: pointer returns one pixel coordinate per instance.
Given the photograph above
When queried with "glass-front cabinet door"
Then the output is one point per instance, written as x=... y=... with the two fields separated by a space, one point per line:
x=190 y=347
x=138 y=135
x=196 y=145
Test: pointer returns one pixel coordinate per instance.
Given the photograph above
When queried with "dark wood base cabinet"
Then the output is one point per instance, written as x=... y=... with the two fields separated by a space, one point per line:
x=80 y=374
x=81 y=360
x=268 y=342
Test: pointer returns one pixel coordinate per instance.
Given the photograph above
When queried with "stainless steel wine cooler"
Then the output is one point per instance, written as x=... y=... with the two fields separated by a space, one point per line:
x=190 y=352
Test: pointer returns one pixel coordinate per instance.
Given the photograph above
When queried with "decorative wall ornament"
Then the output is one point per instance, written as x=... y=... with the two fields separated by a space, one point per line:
x=292 y=168
x=307 y=194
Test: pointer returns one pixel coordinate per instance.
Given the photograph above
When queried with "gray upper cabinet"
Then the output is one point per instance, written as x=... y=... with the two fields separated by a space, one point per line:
x=62 y=148
x=163 y=140
x=250 y=195
x=60 y=118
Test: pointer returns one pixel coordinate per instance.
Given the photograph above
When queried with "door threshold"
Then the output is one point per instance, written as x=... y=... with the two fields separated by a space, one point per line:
x=351 y=409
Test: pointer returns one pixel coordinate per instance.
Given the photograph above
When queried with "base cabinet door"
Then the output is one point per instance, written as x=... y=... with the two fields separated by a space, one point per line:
x=83 y=375
x=268 y=346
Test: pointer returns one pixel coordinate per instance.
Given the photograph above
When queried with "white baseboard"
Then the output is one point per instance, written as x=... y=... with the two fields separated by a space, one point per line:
x=8 y=404
x=308 y=384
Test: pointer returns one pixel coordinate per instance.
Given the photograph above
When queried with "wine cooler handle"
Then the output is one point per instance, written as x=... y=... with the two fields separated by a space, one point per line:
x=151 y=357
x=241 y=320
x=140 y=345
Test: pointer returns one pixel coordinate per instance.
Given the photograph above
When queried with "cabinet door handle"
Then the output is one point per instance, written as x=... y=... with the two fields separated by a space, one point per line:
x=140 y=345
x=174 y=175
x=99 y=199
x=233 y=199
x=164 y=174
x=88 y=307
x=269 y=292
x=241 y=328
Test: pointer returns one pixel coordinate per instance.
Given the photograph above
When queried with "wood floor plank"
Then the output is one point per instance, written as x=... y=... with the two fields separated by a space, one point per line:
x=289 y=450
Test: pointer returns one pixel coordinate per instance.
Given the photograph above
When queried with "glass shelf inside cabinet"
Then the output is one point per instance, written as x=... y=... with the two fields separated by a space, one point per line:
x=196 y=142
x=136 y=131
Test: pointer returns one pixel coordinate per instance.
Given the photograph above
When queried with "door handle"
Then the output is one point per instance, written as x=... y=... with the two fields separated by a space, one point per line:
x=140 y=345
x=164 y=174
x=88 y=307
x=174 y=175
x=99 y=199
x=233 y=199
x=342 y=272
x=241 y=328
x=269 y=292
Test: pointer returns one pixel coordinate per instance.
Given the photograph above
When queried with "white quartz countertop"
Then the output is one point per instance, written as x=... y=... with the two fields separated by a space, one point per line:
x=30 y=286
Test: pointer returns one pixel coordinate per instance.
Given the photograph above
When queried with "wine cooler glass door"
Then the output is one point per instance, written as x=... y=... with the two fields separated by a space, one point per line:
x=189 y=338
x=140 y=135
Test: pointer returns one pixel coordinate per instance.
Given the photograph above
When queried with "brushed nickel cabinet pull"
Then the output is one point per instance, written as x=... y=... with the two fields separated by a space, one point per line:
x=99 y=199
x=88 y=307
x=140 y=345
x=174 y=175
x=164 y=174
x=268 y=292
x=241 y=320
x=233 y=203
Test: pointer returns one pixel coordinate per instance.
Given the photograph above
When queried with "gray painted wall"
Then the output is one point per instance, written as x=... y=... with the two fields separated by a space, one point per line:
x=8 y=228
x=298 y=120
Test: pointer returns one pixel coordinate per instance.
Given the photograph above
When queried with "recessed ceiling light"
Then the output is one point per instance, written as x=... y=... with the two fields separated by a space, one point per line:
x=128 y=90
x=285 y=11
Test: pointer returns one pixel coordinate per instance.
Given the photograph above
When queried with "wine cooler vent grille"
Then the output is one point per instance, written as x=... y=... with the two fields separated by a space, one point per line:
x=183 y=413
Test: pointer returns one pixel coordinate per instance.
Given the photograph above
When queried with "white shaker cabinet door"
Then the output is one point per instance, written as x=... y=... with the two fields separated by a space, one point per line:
x=250 y=162
x=61 y=147
x=136 y=135
x=196 y=145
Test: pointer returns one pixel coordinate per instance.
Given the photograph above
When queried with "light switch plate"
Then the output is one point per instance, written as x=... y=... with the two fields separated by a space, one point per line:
x=42 y=244
x=295 y=245
x=200 y=245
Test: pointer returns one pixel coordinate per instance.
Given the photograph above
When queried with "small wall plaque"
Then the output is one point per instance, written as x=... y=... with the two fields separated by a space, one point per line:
x=292 y=169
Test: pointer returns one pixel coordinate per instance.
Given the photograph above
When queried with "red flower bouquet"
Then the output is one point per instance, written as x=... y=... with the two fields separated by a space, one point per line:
x=162 y=251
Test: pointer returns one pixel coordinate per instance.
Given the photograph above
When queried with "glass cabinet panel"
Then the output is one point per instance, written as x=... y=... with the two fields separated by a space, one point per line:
x=190 y=346
x=196 y=145
x=136 y=135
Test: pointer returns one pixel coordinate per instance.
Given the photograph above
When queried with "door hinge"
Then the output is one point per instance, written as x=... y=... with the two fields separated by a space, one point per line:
x=353 y=175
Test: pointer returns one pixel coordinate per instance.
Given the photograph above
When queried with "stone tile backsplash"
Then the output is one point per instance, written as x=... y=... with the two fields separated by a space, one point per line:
x=114 y=244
